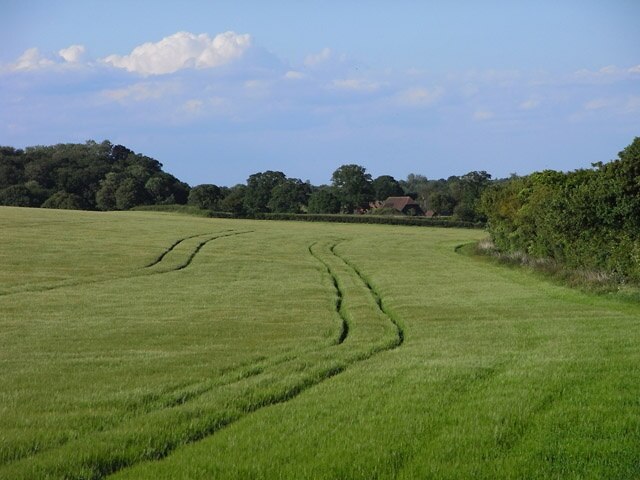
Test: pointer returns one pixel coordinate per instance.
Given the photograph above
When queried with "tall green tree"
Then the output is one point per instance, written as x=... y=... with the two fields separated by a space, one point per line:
x=205 y=196
x=130 y=193
x=289 y=196
x=233 y=201
x=324 y=200
x=259 y=190
x=386 y=186
x=353 y=186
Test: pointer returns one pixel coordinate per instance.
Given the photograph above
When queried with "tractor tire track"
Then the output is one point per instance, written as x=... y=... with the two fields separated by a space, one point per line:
x=174 y=245
x=344 y=332
x=176 y=397
x=180 y=395
x=191 y=256
x=139 y=273
x=283 y=389
x=376 y=296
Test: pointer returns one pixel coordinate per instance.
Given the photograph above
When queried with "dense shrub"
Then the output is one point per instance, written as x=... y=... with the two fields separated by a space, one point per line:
x=588 y=219
x=64 y=200
x=375 y=219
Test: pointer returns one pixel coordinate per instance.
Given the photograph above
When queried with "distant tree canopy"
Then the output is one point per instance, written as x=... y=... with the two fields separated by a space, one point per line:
x=585 y=219
x=92 y=175
x=457 y=196
x=206 y=196
x=353 y=187
x=103 y=176
x=386 y=186
x=324 y=200
x=259 y=190
x=289 y=196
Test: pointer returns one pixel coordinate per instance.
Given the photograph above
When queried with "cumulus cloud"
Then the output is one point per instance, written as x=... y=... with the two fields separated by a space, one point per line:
x=73 y=53
x=31 y=59
x=635 y=69
x=183 y=50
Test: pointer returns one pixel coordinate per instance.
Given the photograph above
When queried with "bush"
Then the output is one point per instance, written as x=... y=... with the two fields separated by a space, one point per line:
x=64 y=200
x=374 y=219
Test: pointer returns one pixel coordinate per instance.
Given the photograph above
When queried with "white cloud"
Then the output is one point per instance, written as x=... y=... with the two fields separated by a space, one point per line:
x=316 y=59
x=597 y=104
x=356 y=84
x=417 y=97
x=256 y=84
x=72 y=54
x=182 y=50
x=139 y=92
x=530 y=104
x=608 y=70
x=481 y=115
x=294 y=75
x=607 y=74
x=30 y=60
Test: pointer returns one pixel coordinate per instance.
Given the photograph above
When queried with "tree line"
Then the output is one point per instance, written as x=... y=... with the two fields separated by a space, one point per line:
x=103 y=176
x=585 y=219
x=89 y=176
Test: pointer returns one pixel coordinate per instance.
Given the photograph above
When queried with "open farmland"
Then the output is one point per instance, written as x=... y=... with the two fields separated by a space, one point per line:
x=147 y=345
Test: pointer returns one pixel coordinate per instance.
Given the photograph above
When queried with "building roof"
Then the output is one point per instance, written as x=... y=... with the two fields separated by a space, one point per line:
x=400 y=203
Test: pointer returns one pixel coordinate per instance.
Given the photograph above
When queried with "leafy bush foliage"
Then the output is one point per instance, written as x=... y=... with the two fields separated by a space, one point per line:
x=587 y=218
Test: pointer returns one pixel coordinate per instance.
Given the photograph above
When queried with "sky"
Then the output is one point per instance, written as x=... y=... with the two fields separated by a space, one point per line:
x=217 y=91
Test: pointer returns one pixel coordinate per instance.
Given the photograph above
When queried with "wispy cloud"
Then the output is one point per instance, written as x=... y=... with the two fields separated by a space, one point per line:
x=598 y=104
x=419 y=96
x=356 y=85
x=315 y=59
x=199 y=84
x=294 y=75
x=529 y=104
x=482 y=115
x=140 y=92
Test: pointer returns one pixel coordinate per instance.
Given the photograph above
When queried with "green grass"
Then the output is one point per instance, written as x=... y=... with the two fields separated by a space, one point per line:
x=153 y=345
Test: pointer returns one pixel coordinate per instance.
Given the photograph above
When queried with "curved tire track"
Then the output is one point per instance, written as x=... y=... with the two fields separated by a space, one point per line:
x=287 y=390
x=138 y=273
x=174 y=245
x=344 y=332
x=175 y=398
x=376 y=295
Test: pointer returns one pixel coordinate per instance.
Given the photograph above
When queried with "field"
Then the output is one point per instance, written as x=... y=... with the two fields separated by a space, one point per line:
x=149 y=345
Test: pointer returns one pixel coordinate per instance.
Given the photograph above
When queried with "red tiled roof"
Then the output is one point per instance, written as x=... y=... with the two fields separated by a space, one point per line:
x=399 y=203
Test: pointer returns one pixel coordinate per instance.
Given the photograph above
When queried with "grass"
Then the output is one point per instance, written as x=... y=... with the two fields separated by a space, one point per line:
x=149 y=345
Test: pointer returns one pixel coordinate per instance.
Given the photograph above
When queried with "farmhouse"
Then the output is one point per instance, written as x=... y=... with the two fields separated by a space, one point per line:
x=405 y=205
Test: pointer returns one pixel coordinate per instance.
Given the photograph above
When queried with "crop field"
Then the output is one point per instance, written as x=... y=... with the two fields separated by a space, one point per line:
x=140 y=345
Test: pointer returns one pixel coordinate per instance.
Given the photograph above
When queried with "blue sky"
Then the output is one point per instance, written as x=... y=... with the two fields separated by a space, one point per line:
x=219 y=90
